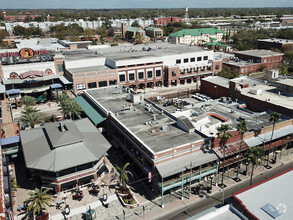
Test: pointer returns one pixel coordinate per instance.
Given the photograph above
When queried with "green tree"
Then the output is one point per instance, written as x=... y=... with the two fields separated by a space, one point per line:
x=223 y=132
x=242 y=128
x=28 y=100
x=21 y=31
x=255 y=157
x=123 y=174
x=38 y=199
x=28 y=110
x=31 y=119
x=138 y=38
x=274 y=118
x=107 y=23
x=62 y=97
x=70 y=108
x=135 y=24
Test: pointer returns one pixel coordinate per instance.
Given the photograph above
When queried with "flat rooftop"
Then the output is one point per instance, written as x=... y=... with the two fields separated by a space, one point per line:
x=287 y=82
x=88 y=69
x=205 y=117
x=270 y=94
x=275 y=193
x=135 y=117
x=247 y=81
x=259 y=53
x=79 y=54
x=217 y=80
x=154 y=50
x=239 y=63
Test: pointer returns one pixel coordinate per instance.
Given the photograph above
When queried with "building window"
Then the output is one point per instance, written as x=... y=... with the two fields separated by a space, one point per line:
x=60 y=68
x=178 y=61
x=103 y=84
x=92 y=85
x=122 y=78
x=112 y=82
x=140 y=75
x=217 y=67
x=158 y=73
x=205 y=58
x=192 y=59
x=150 y=74
x=199 y=59
x=185 y=60
x=80 y=86
x=173 y=73
x=121 y=67
x=131 y=76
x=265 y=60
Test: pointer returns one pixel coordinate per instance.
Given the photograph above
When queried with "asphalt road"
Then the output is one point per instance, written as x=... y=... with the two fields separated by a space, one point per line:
x=216 y=198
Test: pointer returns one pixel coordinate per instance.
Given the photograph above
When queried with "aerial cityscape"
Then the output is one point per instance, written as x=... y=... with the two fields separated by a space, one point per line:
x=146 y=110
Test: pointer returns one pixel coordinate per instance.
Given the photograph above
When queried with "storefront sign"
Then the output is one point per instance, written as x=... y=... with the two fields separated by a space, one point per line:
x=26 y=53
x=17 y=54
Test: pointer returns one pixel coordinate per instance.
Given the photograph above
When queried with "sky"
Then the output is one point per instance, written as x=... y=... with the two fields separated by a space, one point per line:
x=101 y=4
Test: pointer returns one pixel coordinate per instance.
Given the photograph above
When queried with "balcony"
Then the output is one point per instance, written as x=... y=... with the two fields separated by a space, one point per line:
x=186 y=178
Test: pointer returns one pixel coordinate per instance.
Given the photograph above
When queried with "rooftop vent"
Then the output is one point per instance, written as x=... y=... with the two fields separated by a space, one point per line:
x=164 y=128
x=62 y=127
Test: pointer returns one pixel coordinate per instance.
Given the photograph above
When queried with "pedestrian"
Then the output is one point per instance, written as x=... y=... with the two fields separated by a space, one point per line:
x=19 y=208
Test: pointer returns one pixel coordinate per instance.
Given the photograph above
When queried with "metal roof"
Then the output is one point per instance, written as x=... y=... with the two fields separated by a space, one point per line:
x=258 y=140
x=56 y=86
x=179 y=164
x=64 y=80
x=9 y=140
x=88 y=145
x=93 y=114
x=196 y=32
x=276 y=191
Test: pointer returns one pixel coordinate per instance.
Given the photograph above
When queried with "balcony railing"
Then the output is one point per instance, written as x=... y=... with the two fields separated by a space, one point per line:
x=186 y=178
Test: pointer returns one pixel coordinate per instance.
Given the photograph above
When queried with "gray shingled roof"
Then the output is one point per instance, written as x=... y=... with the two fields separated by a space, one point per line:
x=50 y=149
x=180 y=164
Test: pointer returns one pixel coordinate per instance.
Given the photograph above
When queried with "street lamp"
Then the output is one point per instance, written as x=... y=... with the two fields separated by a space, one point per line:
x=246 y=164
x=216 y=90
x=222 y=191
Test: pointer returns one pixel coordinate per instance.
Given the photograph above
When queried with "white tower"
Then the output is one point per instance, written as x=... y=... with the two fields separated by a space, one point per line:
x=186 y=14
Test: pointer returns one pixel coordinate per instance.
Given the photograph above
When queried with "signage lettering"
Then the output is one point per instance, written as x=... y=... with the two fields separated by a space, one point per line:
x=17 y=54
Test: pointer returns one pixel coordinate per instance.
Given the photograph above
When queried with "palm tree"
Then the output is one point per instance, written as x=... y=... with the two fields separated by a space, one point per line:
x=225 y=135
x=274 y=117
x=242 y=128
x=255 y=156
x=31 y=119
x=38 y=199
x=70 y=107
x=28 y=100
x=62 y=97
x=123 y=174
x=29 y=109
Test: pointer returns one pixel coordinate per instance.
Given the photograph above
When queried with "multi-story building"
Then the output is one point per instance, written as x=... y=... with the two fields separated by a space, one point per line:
x=19 y=17
x=163 y=21
x=177 y=144
x=251 y=61
x=153 y=32
x=197 y=36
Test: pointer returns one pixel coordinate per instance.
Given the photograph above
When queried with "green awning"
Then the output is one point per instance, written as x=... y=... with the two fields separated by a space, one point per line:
x=93 y=114
x=216 y=44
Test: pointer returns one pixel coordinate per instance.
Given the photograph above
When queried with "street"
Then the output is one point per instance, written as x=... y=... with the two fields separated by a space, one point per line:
x=215 y=198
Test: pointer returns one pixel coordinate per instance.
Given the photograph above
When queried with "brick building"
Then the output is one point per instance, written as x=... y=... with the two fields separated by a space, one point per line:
x=251 y=61
x=273 y=43
x=165 y=21
x=153 y=32
x=20 y=17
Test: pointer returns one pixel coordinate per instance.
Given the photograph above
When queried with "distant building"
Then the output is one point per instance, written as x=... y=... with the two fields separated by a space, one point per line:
x=287 y=20
x=164 y=21
x=251 y=61
x=154 y=32
x=64 y=154
x=198 y=36
x=273 y=43
x=133 y=32
x=269 y=199
x=20 y=17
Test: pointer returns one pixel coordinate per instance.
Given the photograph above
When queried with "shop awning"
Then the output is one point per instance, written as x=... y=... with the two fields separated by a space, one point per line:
x=9 y=140
x=2 y=88
x=266 y=137
x=93 y=114
x=179 y=164
x=65 y=81
x=56 y=86
x=12 y=91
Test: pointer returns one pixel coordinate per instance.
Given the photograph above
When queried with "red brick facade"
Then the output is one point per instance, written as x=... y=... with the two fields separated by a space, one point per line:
x=165 y=21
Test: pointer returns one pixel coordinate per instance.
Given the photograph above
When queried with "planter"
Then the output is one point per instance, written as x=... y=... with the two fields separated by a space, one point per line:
x=123 y=193
x=129 y=201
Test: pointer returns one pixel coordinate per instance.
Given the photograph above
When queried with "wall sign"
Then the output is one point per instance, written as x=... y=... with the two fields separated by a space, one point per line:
x=26 y=53
x=13 y=75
